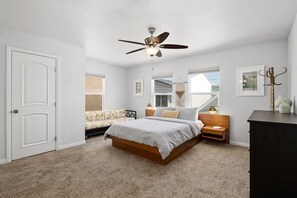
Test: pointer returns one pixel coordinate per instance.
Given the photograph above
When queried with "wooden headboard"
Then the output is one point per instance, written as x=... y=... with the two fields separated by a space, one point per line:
x=207 y=119
x=215 y=120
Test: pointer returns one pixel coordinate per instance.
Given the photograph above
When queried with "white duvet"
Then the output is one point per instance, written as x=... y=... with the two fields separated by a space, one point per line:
x=163 y=133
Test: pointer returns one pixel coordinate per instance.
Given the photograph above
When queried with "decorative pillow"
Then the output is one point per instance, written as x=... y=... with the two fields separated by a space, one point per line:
x=200 y=124
x=114 y=114
x=99 y=115
x=160 y=110
x=188 y=113
x=89 y=116
x=170 y=114
x=119 y=113
x=122 y=113
x=107 y=114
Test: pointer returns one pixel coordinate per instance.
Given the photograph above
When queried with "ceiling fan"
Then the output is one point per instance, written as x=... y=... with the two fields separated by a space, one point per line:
x=152 y=44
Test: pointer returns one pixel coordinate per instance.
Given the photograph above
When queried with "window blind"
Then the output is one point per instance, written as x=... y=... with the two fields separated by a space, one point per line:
x=162 y=75
x=204 y=70
x=95 y=75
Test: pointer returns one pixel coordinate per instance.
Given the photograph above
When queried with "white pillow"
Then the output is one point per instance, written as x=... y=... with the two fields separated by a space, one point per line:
x=159 y=111
x=200 y=124
x=188 y=113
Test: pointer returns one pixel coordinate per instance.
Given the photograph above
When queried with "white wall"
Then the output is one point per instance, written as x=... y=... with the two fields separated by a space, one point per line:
x=239 y=108
x=72 y=71
x=115 y=83
x=292 y=56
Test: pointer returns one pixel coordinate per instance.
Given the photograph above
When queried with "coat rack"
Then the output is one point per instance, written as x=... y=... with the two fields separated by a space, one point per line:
x=270 y=74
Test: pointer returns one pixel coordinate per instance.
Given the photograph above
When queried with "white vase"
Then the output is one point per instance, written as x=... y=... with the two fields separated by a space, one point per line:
x=284 y=107
x=287 y=100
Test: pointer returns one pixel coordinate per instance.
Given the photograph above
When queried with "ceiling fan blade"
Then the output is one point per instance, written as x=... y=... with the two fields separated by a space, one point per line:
x=159 y=53
x=173 y=46
x=162 y=37
x=135 y=50
x=138 y=43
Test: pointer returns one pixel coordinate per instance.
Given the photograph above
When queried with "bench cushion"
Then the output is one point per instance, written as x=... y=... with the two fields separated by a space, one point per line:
x=89 y=116
x=105 y=123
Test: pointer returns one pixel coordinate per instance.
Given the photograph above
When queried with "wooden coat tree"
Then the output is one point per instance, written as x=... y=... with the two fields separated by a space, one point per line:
x=270 y=74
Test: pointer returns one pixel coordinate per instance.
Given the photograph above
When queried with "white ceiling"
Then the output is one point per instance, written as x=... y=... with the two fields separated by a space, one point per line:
x=203 y=25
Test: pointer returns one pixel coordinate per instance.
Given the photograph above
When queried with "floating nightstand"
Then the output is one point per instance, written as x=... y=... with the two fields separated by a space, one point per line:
x=216 y=127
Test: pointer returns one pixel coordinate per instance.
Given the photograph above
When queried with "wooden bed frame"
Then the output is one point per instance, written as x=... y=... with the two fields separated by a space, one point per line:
x=153 y=153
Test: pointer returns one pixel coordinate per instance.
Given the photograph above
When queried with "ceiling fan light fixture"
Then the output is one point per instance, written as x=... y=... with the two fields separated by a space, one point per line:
x=152 y=44
x=152 y=51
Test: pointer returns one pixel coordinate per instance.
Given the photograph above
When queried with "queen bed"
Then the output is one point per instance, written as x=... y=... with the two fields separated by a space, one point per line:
x=158 y=138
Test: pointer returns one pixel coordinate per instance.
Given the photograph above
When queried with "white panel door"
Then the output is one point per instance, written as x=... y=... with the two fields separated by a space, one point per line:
x=33 y=104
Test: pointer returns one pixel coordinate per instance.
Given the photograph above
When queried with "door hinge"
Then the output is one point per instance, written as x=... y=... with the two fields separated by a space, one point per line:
x=56 y=138
x=55 y=104
x=55 y=69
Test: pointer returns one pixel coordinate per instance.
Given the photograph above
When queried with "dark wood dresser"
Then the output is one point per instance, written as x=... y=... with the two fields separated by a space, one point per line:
x=273 y=154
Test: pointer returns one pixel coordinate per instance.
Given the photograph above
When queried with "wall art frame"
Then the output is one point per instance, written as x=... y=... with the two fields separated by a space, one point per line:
x=138 y=87
x=249 y=82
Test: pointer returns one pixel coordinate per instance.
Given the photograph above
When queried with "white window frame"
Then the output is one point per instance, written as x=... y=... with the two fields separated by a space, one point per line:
x=102 y=94
x=162 y=94
x=153 y=94
x=199 y=71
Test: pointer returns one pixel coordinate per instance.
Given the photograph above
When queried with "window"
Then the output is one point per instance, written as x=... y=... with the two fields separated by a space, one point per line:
x=162 y=91
x=94 y=91
x=204 y=89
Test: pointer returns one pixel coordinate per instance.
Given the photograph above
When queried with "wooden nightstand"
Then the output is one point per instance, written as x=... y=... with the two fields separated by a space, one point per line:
x=209 y=132
x=221 y=134
x=149 y=112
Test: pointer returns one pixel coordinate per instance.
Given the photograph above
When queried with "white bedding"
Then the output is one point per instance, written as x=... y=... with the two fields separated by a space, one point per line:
x=164 y=133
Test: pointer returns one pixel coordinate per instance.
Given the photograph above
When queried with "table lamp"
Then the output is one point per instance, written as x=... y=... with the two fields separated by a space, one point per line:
x=215 y=110
x=149 y=106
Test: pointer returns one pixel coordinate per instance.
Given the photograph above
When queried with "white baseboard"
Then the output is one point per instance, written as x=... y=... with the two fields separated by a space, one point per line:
x=3 y=161
x=240 y=144
x=65 y=146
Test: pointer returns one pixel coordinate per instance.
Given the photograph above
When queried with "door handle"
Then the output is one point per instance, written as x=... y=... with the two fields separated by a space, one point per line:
x=15 y=111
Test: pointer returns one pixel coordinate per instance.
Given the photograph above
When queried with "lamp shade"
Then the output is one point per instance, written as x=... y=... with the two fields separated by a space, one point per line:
x=152 y=51
x=212 y=110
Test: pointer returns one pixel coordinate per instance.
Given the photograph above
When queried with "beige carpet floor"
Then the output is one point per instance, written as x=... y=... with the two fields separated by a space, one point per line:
x=96 y=169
